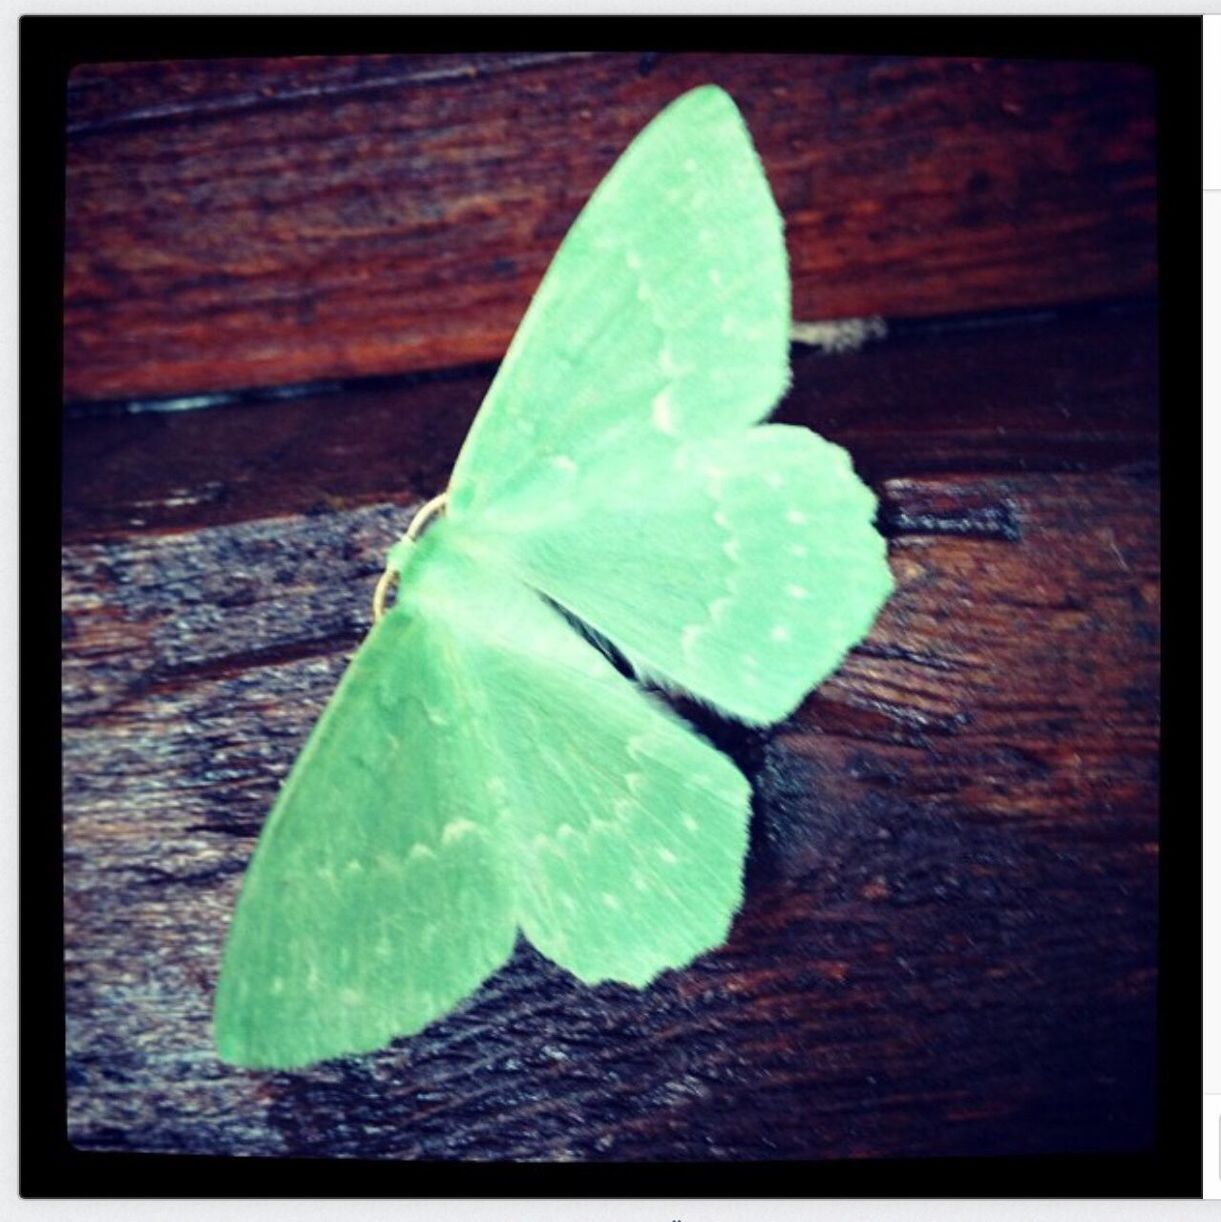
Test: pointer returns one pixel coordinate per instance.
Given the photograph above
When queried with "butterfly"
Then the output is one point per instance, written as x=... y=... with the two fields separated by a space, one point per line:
x=483 y=769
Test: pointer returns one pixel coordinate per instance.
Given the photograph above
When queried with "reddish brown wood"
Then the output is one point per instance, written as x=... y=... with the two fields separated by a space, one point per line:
x=949 y=939
x=1065 y=392
x=259 y=222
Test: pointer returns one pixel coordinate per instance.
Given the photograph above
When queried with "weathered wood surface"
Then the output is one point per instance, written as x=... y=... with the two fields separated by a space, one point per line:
x=948 y=944
x=1069 y=391
x=262 y=222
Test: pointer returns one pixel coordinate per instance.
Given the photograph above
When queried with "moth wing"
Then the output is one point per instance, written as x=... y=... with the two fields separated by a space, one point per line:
x=629 y=830
x=626 y=829
x=665 y=310
x=739 y=569
x=379 y=895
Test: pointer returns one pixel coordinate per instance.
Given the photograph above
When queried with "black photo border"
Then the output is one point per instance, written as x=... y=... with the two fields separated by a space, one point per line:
x=51 y=1167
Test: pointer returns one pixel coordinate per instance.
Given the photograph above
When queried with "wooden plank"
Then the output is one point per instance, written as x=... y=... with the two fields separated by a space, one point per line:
x=259 y=222
x=1061 y=392
x=949 y=939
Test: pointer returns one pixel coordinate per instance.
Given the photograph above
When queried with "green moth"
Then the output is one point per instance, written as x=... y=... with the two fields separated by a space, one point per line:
x=482 y=768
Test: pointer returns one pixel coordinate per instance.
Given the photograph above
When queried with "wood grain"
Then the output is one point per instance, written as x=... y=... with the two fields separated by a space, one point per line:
x=1058 y=391
x=949 y=939
x=238 y=223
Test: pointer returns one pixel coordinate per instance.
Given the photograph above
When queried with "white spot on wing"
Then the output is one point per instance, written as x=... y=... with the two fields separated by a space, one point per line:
x=714 y=278
x=420 y=852
x=610 y=901
x=455 y=829
x=797 y=591
x=632 y=259
x=774 y=479
x=718 y=607
x=796 y=517
x=634 y=781
x=689 y=823
x=561 y=462
x=667 y=856
x=730 y=548
x=663 y=412
x=798 y=549
x=780 y=633
x=690 y=635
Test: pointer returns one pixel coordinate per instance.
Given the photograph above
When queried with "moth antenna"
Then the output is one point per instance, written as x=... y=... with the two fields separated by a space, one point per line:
x=389 y=578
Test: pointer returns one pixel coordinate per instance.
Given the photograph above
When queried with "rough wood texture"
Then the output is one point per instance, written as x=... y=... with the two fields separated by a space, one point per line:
x=260 y=222
x=1065 y=392
x=949 y=939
